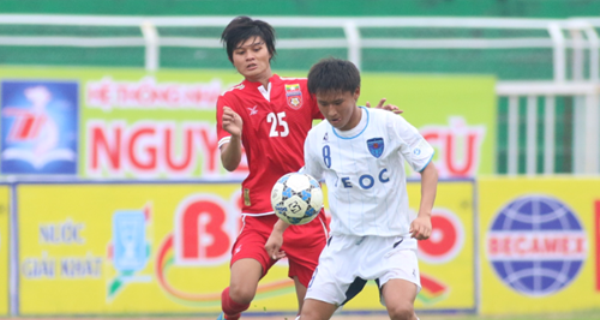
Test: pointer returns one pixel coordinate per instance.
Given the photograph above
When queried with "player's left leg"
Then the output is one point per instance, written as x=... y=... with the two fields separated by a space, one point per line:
x=300 y=292
x=399 y=297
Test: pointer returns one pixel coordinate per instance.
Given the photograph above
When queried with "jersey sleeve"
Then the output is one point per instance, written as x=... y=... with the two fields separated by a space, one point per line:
x=312 y=166
x=222 y=135
x=415 y=149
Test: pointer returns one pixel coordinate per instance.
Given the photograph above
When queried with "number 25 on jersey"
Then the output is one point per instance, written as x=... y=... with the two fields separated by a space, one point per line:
x=279 y=126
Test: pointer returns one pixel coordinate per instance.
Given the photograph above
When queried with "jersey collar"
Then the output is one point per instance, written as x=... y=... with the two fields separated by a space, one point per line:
x=266 y=92
x=363 y=130
x=250 y=84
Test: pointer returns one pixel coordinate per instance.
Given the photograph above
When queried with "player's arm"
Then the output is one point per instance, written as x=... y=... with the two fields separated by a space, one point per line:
x=420 y=228
x=231 y=152
x=275 y=241
x=384 y=106
x=418 y=153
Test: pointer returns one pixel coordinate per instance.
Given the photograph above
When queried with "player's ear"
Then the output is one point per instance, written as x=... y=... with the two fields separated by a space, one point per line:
x=357 y=93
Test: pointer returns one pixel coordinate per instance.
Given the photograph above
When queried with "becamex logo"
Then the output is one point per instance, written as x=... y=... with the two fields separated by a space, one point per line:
x=39 y=127
x=536 y=245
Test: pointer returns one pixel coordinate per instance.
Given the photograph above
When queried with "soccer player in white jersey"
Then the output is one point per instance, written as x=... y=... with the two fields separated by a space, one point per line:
x=360 y=154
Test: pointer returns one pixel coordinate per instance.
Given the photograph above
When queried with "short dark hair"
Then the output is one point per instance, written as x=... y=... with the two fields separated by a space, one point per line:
x=333 y=75
x=243 y=28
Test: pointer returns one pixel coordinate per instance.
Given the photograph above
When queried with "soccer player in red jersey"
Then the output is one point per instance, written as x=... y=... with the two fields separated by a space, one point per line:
x=270 y=116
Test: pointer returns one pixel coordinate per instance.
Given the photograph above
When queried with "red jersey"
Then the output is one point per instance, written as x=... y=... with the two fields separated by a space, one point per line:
x=276 y=122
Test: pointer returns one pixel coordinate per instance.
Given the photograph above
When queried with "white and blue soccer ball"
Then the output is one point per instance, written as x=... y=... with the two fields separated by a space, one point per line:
x=297 y=198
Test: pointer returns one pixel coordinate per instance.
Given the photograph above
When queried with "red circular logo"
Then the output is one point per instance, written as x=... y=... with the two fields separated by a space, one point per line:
x=446 y=240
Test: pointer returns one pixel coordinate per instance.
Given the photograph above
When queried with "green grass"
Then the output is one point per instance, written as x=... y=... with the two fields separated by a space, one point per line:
x=587 y=315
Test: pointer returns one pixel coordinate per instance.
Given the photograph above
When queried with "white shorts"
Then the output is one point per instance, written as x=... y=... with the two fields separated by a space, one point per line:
x=347 y=262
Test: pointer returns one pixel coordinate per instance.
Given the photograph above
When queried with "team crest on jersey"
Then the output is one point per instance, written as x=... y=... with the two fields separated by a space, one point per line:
x=293 y=95
x=375 y=146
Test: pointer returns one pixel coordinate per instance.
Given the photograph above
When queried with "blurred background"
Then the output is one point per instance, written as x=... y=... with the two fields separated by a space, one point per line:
x=113 y=201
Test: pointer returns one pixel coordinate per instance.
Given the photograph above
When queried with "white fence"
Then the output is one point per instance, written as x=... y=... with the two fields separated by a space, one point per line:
x=573 y=41
x=585 y=135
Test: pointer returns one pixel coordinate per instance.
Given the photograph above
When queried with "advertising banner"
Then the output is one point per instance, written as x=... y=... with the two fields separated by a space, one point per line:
x=130 y=249
x=446 y=259
x=540 y=244
x=165 y=248
x=4 y=248
x=456 y=114
x=128 y=123
x=112 y=123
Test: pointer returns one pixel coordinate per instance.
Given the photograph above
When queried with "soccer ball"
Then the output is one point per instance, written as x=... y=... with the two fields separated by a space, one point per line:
x=297 y=198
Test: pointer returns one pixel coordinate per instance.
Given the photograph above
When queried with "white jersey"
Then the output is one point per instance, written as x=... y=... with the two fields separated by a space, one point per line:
x=364 y=172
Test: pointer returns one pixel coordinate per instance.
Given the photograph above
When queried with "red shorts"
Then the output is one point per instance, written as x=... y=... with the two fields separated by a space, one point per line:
x=302 y=244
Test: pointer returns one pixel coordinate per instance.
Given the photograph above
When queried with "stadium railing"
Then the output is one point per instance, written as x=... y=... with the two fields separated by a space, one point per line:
x=574 y=43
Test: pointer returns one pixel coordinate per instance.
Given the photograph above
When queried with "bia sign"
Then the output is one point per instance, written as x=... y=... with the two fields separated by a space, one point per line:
x=537 y=245
x=458 y=147
x=205 y=229
x=154 y=149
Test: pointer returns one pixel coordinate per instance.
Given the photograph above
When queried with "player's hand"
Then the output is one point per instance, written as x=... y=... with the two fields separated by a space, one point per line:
x=232 y=122
x=388 y=107
x=273 y=246
x=420 y=228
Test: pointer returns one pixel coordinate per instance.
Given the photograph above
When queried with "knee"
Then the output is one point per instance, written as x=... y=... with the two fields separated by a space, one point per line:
x=241 y=294
x=402 y=311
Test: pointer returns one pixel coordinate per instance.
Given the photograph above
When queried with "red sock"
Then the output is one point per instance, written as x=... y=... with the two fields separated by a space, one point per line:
x=231 y=309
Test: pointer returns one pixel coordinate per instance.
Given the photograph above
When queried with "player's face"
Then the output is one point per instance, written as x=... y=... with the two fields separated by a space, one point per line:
x=251 y=59
x=339 y=108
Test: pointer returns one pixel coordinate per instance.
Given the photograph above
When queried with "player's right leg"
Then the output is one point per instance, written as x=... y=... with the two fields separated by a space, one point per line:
x=245 y=274
x=303 y=245
x=317 y=310
x=249 y=263
x=236 y=298
x=334 y=282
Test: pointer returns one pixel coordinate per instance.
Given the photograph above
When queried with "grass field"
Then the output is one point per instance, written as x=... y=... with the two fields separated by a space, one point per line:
x=589 y=315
